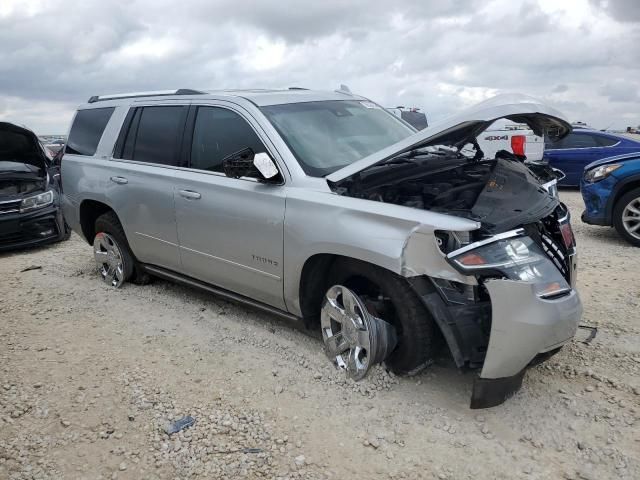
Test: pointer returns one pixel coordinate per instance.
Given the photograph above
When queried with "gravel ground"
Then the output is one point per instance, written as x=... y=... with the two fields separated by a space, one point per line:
x=90 y=377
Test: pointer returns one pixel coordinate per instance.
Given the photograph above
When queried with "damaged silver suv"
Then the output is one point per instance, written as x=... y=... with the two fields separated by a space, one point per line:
x=326 y=208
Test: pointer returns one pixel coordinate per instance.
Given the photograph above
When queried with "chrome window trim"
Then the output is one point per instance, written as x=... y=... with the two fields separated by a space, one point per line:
x=581 y=148
x=185 y=169
x=204 y=103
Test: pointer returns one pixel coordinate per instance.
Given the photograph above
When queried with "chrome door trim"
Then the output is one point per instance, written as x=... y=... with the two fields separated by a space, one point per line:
x=246 y=267
x=156 y=238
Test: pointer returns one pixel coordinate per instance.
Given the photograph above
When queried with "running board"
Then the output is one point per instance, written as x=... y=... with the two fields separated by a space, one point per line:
x=220 y=292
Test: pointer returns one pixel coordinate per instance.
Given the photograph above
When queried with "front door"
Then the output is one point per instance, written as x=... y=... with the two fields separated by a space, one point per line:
x=230 y=231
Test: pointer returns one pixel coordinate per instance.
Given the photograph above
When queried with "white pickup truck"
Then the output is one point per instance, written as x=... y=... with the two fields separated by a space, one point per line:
x=513 y=138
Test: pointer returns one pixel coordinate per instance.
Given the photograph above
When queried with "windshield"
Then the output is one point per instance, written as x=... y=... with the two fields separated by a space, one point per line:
x=326 y=136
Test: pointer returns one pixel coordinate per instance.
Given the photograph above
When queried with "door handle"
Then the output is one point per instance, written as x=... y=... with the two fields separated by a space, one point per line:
x=190 y=195
x=119 y=180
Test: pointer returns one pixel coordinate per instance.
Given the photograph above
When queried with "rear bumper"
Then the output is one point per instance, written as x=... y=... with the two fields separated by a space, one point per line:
x=22 y=230
x=523 y=327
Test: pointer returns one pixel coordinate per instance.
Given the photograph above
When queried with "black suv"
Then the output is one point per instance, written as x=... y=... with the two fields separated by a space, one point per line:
x=30 y=211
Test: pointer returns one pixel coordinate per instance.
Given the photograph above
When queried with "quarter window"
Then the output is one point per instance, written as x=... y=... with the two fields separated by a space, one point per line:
x=606 y=141
x=217 y=133
x=87 y=129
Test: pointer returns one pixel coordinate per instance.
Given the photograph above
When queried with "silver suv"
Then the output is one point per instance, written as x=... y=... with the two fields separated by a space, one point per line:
x=326 y=208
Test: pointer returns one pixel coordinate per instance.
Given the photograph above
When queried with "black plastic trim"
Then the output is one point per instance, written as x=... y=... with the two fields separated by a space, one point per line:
x=491 y=392
x=603 y=222
x=218 y=291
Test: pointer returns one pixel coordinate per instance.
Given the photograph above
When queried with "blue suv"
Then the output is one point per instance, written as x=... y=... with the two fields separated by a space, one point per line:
x=611 y=191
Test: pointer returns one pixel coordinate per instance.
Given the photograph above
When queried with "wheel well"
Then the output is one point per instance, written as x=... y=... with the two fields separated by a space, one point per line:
x=90 y=210
x=623 y=191
x=314 y=282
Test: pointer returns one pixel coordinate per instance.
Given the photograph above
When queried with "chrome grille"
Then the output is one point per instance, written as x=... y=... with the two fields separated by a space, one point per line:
x=10 y=206
x=548 y=234
x=556 y=254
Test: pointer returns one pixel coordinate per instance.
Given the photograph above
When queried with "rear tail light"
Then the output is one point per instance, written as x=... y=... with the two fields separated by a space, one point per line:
x=517 y=144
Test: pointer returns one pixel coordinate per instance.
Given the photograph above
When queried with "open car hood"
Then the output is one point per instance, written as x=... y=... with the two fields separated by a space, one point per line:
x=19 y=145
x=462 y=128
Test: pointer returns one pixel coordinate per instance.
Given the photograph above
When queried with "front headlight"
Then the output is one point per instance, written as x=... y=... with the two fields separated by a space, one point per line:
x=600 y=173
x=517 y=258
x=36 y=201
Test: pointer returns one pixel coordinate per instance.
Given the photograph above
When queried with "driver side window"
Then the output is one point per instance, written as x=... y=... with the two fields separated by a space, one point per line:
x=217 y=133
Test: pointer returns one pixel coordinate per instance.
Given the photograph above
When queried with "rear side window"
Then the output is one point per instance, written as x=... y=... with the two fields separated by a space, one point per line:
x=219 y=132
x=574 y=140
x=154 y=134
x=606 y=141
x=87 y=130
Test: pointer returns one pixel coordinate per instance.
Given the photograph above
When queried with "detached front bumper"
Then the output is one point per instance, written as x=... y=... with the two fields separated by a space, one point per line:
x=21 y=230
x=523 y=327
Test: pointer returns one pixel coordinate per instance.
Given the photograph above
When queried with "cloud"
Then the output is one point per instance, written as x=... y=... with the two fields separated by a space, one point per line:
x=621 y=10
x=439 y=56
x=620 y=91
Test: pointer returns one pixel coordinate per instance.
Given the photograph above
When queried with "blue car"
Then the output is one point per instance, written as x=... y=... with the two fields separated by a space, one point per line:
x=611 y=192
x=582 y=147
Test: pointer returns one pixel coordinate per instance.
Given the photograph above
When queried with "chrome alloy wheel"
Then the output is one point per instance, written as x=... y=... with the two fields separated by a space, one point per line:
x=353 y=338
x=109 y=259
x=631 y=218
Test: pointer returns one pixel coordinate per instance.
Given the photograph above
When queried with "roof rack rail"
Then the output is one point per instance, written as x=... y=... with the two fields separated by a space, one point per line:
x=157 y=93
x=298 y=88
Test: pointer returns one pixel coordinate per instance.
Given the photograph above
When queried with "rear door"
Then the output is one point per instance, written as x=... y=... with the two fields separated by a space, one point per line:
x=572 y=154
x=230 y=229
x=142 y=177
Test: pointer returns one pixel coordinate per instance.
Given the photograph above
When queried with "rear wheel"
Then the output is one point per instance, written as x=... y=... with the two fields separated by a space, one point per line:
x=389 y=297
x=111 y=251
x=626 y=216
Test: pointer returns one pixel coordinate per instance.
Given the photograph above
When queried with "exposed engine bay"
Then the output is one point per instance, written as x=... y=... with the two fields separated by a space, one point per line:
x=17 y=186
x=500 y=193
x=17 y=179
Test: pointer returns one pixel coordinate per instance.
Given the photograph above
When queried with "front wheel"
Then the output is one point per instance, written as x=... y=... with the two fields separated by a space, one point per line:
x=626 y=217
x=389 y=297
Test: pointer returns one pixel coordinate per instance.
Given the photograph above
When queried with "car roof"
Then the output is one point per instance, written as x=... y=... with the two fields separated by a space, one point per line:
x=259 y=97
x=593 y=131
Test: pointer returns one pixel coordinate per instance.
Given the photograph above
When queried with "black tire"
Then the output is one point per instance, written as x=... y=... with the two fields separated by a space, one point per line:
x=417 y=331
x=139 y=275
x=67 y=232
x=618 y=209
x=109 y=223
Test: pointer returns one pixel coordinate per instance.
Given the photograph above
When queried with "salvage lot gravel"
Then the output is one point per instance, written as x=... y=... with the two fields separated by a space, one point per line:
x=90 y=377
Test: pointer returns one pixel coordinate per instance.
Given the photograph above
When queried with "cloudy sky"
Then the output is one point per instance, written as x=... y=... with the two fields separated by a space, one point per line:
x=582 y=56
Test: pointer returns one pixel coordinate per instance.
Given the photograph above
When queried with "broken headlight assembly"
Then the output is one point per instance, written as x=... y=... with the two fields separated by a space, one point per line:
x=36 y=201
x=514 y=256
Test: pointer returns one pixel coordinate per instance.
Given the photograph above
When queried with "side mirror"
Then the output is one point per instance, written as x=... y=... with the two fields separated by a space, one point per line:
x=246 y=163
x=265 y=165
